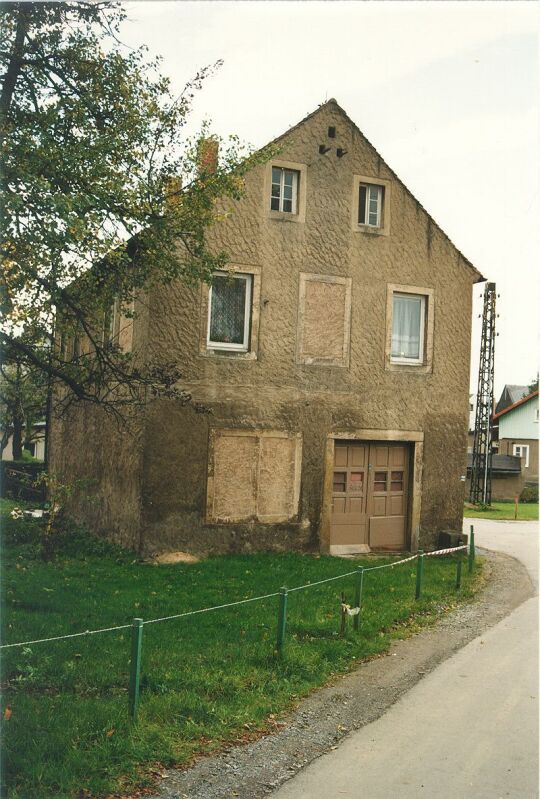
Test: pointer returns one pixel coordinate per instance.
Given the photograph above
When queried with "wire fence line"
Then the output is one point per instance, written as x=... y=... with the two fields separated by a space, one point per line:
x=232 y=604
x=214 y=607
x=71 y=635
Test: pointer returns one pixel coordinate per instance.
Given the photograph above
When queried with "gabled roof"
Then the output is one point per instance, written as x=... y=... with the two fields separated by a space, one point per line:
x=510 y=394
x=516 y=404
x=333 y=102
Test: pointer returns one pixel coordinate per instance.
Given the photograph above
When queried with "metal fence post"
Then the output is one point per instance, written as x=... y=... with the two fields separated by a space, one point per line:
x=135 y=667
x=419 y=572
x=458 y=570
x=472 y=552
x=282 y=620
x=358 y=597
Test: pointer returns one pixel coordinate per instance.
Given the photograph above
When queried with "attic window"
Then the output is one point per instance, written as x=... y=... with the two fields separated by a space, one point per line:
x=284 y=196
x=370 y=205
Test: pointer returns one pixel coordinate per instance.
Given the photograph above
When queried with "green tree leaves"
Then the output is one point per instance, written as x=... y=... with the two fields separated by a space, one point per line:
x=103 y=196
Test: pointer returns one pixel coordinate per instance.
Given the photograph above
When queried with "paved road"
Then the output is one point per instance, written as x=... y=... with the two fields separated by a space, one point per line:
x=468 y=730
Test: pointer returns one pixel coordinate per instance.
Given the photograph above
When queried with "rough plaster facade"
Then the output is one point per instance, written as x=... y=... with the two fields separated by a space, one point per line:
x=317 y=365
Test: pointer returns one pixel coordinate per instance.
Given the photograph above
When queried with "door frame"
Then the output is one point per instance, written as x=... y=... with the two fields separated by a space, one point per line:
x=416 y=440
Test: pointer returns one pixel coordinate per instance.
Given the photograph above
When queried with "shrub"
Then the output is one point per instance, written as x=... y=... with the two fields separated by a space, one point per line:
x=529 y=494
x=17 y=480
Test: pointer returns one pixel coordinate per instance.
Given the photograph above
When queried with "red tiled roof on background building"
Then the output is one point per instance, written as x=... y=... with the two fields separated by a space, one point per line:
x=522 y=401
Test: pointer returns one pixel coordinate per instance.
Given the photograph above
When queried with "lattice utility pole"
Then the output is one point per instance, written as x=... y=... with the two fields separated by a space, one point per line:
x=481 y=456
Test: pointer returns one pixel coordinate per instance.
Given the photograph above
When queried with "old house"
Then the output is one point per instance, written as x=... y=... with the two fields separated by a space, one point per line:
x=333 y=356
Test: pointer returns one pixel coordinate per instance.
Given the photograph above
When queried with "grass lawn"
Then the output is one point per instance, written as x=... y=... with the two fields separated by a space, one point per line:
x=527 y=511
x=206 y=680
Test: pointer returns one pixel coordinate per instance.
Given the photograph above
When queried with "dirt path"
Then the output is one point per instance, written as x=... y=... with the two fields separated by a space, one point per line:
x=321 y=720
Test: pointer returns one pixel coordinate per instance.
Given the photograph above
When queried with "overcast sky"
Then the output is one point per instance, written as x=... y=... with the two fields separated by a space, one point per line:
x=446 y=91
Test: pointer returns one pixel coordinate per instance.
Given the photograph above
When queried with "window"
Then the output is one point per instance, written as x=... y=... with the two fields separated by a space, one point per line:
x=111 y=321
x=408 y=322
x=370 y=205
x=253 y=474
x=410 y=318
x=284 y=196
x=229 y=312
x=522 y=451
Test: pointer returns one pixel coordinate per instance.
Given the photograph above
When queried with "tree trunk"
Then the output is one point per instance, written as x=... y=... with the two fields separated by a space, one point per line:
x=5 y=439
x=18 y=424
x=15 y=62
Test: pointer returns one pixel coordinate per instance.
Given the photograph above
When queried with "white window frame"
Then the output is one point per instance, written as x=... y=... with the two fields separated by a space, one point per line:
x=521 y=453
x=370 y=187
x=294 y=201
x=111 y=323
x=220 y=345
x=412 y=361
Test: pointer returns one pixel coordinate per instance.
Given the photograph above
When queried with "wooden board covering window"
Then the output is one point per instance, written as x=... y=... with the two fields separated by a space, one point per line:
x=253 y=475
x=324 y=320
x=235 y=465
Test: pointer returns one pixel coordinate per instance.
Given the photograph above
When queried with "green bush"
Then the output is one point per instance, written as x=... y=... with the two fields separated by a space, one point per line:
x=70 y=540
x=529 y=494
x=18 y=478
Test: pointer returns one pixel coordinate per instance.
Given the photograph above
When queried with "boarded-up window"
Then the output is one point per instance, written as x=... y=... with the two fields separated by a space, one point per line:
x=235 y=466
x=324 y=320
x=253 y=475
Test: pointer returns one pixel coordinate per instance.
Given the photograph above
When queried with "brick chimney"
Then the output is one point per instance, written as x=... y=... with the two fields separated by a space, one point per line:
x=208 y=152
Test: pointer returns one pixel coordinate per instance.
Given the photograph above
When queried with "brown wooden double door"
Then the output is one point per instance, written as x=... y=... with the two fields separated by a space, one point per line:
x=369 y=496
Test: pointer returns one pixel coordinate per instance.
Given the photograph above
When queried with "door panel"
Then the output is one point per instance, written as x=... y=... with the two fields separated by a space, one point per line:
x=339 y=504
x=349 y=519
x=387 y=497
x=398 y=456
x=378 y=507
x=379 y=456
x=358 y=456
x=340 y=455
x=396 y=506
x=387 y=532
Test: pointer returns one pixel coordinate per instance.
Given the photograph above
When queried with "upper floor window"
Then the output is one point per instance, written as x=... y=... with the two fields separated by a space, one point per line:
x=111 y=323
x=284 y=195
x=410 y=312
x=229 y=312
x=370 y=205
x=408 y=328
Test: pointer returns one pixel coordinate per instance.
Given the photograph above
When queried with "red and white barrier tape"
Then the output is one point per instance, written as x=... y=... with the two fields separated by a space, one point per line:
x=445 y=551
